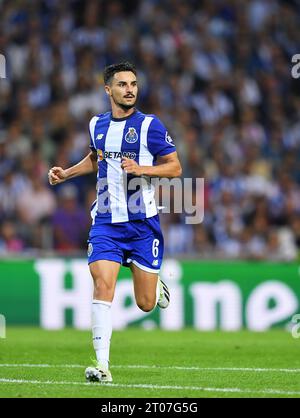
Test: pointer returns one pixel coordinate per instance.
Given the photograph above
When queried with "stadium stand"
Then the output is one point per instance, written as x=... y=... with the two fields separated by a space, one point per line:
x=217 y=72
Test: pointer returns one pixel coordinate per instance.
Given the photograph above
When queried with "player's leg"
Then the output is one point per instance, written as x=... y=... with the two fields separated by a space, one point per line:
x=146 y=257
x=145 y=288
x=149 y=290
x=104 y=273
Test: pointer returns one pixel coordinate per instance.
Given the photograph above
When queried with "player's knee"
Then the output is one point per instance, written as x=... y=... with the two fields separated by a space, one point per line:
x=146 y=305
x=103 y=290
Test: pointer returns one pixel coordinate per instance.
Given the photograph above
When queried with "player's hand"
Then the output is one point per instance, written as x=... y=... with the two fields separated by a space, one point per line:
x=131 y=167
x=56 y=175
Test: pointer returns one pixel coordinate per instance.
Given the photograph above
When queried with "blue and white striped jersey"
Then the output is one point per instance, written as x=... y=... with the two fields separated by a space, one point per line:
x=123 y=197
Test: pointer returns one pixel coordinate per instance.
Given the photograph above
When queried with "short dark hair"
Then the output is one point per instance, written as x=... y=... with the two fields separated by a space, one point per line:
x=111 y=70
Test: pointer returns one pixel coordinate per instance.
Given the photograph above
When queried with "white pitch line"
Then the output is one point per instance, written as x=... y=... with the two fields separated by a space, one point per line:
x=145 y=386
x=230 y=369
x=139 y=366
x=64 y=366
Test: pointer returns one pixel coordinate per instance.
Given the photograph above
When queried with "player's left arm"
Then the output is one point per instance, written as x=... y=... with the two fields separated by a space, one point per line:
x=168 y=166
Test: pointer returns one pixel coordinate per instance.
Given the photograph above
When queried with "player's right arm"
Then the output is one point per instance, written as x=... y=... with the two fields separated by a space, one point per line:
x=87 y=165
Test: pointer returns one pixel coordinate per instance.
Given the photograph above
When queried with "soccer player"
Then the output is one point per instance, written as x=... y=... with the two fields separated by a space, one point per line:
x=126 y=146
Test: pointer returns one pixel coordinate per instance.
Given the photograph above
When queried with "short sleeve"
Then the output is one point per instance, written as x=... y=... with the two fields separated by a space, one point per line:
x=159 y=141
x=92 y=126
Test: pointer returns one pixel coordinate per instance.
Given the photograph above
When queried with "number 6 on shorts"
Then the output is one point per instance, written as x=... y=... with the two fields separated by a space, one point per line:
x=155 y=247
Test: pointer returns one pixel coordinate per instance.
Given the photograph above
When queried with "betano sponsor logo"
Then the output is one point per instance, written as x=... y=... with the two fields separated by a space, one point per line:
x=102 y=155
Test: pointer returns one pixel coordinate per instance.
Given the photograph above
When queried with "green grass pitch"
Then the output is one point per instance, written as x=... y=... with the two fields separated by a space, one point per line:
x=151 y=364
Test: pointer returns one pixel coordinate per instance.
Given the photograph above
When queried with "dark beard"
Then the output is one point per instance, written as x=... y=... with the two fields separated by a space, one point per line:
x=126 y=107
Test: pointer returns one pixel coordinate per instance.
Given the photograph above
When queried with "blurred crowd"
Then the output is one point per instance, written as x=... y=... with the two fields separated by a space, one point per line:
x=217 y=73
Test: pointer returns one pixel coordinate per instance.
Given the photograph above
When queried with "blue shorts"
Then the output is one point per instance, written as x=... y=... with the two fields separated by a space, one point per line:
x=139 y=242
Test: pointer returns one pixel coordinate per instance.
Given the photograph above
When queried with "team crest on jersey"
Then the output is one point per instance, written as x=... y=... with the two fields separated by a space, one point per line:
x=169 y=140
x=90 y=249
x=131 y=137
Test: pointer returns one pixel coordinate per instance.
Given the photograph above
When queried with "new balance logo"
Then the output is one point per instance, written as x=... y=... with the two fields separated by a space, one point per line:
x=100 y=136
x=155 y=263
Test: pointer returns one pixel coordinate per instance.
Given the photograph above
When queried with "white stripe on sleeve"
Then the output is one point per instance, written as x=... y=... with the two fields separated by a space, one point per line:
x=92 y=126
